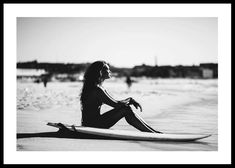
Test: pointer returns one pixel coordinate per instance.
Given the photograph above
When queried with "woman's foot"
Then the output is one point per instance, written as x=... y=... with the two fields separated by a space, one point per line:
x=158 y=132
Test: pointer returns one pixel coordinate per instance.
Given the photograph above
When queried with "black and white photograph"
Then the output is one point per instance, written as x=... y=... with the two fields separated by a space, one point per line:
x=117 y=83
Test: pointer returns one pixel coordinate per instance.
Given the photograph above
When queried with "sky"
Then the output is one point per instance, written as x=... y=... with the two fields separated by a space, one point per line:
x=120 y=41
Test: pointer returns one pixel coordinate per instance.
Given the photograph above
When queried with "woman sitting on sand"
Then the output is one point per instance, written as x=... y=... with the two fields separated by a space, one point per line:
x=93 y=95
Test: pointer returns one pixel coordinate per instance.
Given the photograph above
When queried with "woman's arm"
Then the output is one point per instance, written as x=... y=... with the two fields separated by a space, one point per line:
x=131 y=101
x=107 y=99
x=126 y=101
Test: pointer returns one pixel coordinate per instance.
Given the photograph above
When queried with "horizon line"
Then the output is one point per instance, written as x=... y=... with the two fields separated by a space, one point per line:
x=50 y=62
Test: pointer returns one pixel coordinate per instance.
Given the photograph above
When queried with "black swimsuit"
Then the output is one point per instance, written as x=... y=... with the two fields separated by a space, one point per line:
x=91 y=111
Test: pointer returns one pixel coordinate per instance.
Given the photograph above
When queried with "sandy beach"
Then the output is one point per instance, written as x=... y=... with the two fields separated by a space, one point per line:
x=169 y=105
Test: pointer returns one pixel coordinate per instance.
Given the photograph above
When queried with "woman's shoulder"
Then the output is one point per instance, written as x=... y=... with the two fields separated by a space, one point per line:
x=99 y=88
x=100 y=91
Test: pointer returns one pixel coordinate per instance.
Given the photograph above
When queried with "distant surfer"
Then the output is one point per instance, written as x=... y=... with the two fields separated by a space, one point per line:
x=128 y=81
x=93 y=95
x=44 y=80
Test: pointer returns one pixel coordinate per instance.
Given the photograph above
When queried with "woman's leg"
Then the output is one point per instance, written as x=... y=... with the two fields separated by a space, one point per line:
x=111 y=117
x=144 y=122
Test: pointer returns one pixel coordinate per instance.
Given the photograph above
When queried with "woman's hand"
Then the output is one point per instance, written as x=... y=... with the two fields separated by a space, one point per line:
x=131 y=101
x=135 y=104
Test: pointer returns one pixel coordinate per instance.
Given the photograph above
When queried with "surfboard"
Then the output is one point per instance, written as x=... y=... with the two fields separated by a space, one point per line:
x=128 y=135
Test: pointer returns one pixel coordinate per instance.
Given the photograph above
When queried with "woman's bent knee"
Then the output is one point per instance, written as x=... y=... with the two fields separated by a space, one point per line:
x=124 y=109
x=128 y=111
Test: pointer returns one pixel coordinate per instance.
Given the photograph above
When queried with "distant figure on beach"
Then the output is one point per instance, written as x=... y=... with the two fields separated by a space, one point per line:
x=45 y=79
x=45 y=82
x=93 y=95
x=128 y=81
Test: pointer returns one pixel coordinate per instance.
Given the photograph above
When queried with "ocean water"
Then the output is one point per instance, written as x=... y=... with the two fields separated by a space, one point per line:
x=169 y=105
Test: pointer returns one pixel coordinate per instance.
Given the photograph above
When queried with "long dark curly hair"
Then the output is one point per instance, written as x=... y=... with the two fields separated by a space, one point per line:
x=92 y=78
